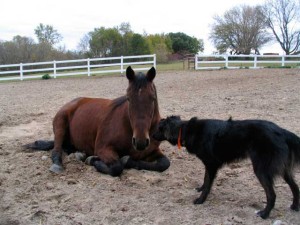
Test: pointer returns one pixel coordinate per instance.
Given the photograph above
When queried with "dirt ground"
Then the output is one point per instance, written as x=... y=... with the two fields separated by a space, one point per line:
x=30 y=194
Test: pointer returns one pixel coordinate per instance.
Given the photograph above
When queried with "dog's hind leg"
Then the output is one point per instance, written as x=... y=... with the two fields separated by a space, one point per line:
x=210 y=174
x=288 y=177
x=267 y=183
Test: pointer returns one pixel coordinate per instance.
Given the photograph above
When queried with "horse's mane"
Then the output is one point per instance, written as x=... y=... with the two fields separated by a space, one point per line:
x=118 y=101
x=140 y=81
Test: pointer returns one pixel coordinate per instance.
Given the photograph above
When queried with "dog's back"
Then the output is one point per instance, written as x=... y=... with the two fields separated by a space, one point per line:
x=237 y=139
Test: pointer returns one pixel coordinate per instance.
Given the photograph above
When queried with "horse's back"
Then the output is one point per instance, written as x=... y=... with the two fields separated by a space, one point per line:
x=84 y=116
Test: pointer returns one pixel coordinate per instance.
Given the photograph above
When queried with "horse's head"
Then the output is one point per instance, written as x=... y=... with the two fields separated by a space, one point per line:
x=142 y=105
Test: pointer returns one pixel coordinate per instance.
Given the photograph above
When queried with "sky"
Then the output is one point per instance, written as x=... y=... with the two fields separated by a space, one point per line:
x=74 y=19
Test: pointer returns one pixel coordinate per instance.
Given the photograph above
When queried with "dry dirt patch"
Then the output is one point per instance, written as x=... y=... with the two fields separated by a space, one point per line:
x=30 y=194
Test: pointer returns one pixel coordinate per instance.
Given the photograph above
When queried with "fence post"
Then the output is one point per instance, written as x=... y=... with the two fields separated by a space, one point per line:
x=88 y=67
x=282 y=60
x=255 y=61
x=21 y=71
x=226 y=59
x=196 y=60
x=154 y=60
x=54 y=68
x=122 y=65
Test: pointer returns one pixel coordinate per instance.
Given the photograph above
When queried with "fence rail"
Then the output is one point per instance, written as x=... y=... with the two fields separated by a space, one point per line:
x=245 y=61
x=75 y=67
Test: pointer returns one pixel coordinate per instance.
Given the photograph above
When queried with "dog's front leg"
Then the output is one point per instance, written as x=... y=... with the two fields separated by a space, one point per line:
x=210 y=174
x=205 y=182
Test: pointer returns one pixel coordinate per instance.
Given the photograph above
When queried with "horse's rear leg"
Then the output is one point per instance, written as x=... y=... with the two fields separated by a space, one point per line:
x=60 y=127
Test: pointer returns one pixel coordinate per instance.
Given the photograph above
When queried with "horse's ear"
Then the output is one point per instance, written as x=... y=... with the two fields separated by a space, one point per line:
x=130 y=73
x=151 y=74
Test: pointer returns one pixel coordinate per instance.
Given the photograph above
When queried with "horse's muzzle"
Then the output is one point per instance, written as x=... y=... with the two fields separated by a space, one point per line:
x=140 y=145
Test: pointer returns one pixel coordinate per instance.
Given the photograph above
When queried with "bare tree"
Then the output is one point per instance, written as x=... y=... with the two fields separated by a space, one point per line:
x=47 y=34
x=241 y=30
x=20 y=49
x=283 y=18
x=84 y=44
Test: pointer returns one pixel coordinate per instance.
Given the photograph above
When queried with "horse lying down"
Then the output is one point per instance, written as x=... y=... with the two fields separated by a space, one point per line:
x=273 y=150
x=112 y=134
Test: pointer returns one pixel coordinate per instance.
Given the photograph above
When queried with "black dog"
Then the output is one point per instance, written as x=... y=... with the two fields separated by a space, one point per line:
x=272 y=150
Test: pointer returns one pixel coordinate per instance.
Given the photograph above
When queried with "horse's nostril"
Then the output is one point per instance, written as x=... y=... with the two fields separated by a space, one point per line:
x=147 y=142
x=133 y=141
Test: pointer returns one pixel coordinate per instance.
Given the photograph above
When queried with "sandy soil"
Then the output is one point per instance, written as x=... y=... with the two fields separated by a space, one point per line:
x=30 y=194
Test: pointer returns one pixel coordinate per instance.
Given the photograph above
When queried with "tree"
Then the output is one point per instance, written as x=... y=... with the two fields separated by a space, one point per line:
x=124 y=28
x=84 y=44
x=184 y=44
x=105 y=42
x=240 y=30
x=20 y=49
x=138 y=45
x=283 y=18
x=47 y=34
x=161 y=45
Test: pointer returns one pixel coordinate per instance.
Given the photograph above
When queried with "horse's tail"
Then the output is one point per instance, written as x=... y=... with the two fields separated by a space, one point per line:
x=40 y=145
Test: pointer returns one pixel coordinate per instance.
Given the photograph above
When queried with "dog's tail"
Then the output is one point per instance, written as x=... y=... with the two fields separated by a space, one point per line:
x=293 y=142
x=40 y=145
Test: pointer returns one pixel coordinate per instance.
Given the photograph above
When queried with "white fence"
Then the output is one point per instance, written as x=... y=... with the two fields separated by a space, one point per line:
x=75 y=67
x=245 y=61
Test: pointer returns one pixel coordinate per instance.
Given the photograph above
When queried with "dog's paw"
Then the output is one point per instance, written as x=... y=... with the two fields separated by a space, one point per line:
x=295 y=207
x=199 y=201
x=263 y=214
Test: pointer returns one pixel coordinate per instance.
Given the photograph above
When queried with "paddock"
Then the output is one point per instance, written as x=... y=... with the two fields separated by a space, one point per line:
x=30 y=194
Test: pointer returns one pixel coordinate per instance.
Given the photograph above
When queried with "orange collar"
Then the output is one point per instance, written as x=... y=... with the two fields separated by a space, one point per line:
x=179 y=139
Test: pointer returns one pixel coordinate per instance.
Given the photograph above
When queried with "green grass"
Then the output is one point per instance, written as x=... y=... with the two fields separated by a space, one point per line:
x=178 y=65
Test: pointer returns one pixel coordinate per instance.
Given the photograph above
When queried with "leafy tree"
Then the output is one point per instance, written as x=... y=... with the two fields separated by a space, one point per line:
x=283 y=18
x=240 y=30
x=184 y=44
x=161 y=45
x=47 y=34
x=127 y=33
x=105 y=42
x=138 y=45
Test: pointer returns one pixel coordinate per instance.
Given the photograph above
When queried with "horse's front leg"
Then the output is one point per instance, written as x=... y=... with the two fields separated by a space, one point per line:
x=154 y=162
x=107 y=161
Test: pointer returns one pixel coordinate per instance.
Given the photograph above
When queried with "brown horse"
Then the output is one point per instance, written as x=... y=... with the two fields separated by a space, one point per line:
x=114 y=134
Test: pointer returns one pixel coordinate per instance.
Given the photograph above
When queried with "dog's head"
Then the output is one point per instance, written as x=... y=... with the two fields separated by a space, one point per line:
x=168 y=129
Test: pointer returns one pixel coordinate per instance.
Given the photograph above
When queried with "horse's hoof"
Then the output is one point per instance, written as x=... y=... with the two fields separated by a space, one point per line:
x=125 y=159
x=89 y=159
x=56 y=168
x=80 y=156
